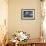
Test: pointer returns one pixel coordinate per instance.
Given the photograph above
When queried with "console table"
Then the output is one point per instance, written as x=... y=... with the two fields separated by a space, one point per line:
x=32 y=42
x=35 y=44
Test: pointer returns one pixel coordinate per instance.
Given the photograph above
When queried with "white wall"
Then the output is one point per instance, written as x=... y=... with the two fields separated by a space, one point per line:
x=30 y=26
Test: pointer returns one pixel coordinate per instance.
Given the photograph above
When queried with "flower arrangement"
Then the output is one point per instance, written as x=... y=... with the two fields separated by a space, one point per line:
x=21 y=36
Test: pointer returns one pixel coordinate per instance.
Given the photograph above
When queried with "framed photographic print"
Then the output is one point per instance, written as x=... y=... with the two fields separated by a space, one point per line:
x=28 y=14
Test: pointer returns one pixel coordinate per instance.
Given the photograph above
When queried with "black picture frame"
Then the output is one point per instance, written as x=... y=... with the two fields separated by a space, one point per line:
x=28 y=14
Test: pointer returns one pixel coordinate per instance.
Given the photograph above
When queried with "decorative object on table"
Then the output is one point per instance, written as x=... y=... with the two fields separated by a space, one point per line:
x=28 y=14
x=23 y=36
x=20 y=36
